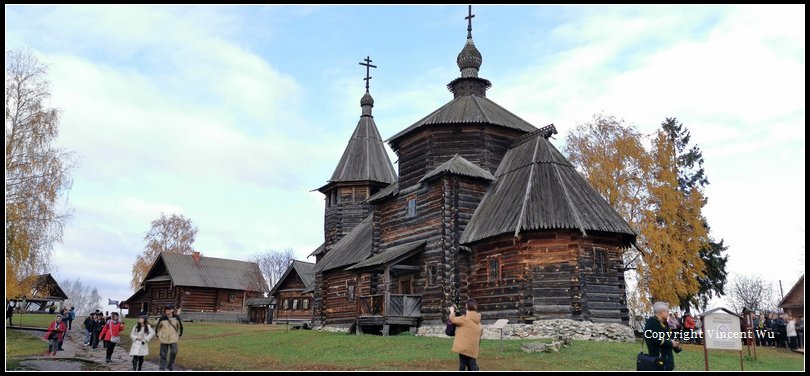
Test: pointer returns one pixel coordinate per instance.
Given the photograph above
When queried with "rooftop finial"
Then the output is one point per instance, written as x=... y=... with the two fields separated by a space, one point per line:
x=368 y=65
x=367 y=102
x=469 y=21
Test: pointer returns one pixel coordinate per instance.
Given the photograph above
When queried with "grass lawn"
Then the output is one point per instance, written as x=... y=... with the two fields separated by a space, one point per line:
x=230 y=346
x=21 y=345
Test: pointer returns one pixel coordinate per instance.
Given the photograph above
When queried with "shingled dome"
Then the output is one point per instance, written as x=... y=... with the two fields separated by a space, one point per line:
x=537 y=188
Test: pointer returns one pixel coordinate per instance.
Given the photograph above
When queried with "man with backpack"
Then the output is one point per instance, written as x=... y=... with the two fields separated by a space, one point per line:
x=169 y=329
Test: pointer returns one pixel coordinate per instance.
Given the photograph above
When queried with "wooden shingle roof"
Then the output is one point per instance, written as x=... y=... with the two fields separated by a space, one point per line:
x=318 y=250
x=304 y=270
x=211 y=272
x=394 y=254
x=537 y=188
x=351 y=249
x=469 y=109
x=364 y=158
x=389 y=191
x=459 y=166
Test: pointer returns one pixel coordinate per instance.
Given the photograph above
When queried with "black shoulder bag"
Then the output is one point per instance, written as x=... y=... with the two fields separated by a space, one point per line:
x=647 y=362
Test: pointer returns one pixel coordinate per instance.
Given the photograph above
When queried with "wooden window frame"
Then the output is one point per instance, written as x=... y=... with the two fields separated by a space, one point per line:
x=490 y=259
x=351 y=291
x=305 y=303
x=286 y=305
x=408 y=213
x=431 y=274
x=349 y=194
x=601 y=254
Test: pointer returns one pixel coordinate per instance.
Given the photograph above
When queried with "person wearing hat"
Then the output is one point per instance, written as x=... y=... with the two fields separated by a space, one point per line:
x=141 y=334
x=169 y=329
x=111 y=334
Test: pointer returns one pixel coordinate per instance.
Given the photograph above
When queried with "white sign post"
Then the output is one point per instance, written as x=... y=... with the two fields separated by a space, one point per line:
x=721 y=330
x=500 y=324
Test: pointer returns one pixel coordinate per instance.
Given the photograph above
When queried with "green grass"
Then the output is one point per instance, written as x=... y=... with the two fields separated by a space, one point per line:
x=19 y=346
x=227 y=346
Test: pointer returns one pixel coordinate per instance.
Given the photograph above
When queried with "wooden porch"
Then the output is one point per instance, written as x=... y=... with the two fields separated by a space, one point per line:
x=388 y=309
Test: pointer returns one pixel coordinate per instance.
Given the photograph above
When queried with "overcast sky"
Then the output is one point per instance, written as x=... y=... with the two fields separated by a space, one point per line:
x=231 y=115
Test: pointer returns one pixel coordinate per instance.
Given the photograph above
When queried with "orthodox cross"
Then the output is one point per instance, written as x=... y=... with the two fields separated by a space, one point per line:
x=469 y=21
x=367 y=65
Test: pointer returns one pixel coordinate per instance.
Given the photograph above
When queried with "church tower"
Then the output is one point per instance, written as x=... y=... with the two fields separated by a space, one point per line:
x=363 y=170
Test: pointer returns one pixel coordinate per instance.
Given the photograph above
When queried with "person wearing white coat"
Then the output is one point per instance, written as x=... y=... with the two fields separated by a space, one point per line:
x=141 y=334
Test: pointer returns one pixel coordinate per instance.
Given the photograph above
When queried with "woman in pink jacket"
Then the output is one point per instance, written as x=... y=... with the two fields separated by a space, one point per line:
x=54 y=335
x=110 y=333
x=468 y=336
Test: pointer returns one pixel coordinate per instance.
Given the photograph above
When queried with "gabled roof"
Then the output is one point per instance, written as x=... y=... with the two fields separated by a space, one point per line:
x=364 y=158
x=352 y=248
x=794 y=289
x=536 y=188
x=210 y=272
x=469 y=109
x=46 y=287
x=458 y=166
x=391 y=190
x=318 y=250
x=390 y=255
x=304 y=270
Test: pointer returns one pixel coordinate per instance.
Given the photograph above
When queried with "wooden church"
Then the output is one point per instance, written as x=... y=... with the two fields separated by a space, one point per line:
x=483 y=206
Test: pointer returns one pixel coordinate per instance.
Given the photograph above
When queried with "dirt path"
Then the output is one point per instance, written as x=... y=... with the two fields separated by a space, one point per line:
x=84 y=358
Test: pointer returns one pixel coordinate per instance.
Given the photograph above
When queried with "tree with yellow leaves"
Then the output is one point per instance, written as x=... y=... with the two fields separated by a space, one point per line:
x=170 y=234
x=37 y=173
x=646 y=188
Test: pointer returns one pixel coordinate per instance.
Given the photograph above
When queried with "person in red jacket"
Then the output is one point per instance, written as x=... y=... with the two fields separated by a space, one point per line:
x=689 y=327
x=110 y=333
x=54 y=335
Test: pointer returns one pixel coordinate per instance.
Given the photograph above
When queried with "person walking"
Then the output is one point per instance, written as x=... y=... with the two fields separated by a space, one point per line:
x=111 y=334
x=10 y=312
x=55 y=333
x=88 y=328
x=169 y=329
x=655 y=334
x=71 y=315
x=141 y=334
x=98 y=324
x=468 y=336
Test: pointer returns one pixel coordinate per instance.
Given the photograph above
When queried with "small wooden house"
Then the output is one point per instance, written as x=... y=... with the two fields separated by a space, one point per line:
x=207 y=288
x=793 y=302
x=293 y=294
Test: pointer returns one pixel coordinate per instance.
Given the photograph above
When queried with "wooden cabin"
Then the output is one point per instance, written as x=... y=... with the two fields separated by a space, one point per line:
x=206 y=288
x=793 y=302
x=483 y=206
x=293 y=294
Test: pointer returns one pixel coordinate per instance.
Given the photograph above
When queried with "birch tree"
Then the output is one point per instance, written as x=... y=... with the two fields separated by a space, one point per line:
x=37 y=172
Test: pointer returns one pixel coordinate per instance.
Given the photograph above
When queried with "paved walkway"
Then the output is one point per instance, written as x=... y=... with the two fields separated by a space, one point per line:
x=73 y=348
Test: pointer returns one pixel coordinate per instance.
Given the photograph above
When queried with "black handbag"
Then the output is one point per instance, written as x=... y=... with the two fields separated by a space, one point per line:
x=450 y=329
x=646 y=362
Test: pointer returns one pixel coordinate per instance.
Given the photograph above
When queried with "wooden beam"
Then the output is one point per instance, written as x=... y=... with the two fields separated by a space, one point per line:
x=404 y=267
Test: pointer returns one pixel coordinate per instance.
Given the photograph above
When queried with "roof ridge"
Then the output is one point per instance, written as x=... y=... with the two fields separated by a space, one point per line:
x=574 y=209
x=486 y=117
x=528 y=190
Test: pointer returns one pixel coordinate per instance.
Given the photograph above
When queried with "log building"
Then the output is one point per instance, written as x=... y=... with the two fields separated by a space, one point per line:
x=198 y=285
x=483 y=206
